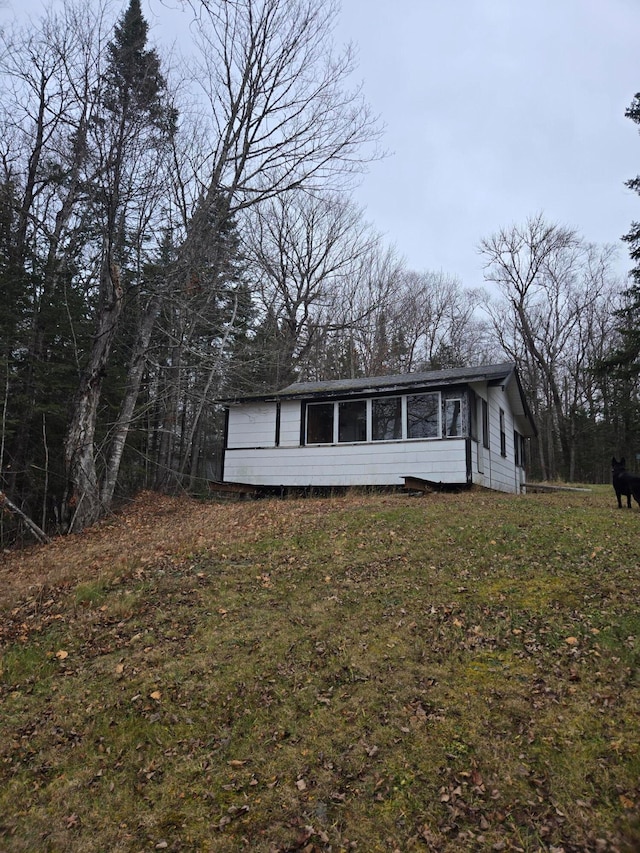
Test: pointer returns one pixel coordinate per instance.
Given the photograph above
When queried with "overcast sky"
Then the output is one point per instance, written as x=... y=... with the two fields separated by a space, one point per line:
x=495 y=110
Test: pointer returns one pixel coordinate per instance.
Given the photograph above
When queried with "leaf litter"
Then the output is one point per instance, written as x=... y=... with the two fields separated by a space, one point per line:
x=365 y=672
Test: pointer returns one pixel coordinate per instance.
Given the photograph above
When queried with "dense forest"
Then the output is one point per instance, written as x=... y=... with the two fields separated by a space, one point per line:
x=172 y=234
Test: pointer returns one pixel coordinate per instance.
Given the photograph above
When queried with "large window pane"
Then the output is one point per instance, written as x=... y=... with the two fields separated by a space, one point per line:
x=386 y=418
x=422 y=415
x=453 y=418
x=320 y=423
x=352 y=421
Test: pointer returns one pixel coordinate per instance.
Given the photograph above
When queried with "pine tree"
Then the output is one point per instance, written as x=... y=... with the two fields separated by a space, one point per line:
x=619 y=370
x=131 y=128
x=627 y=355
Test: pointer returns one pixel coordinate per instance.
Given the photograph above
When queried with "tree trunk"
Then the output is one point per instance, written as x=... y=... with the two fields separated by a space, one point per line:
x=121 y=430
x=82 y=504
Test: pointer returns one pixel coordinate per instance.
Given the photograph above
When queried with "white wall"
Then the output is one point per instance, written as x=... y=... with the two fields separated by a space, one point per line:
x=252 y=456
x=364 y=464
x=290 y=423
x=489 y=467
x=252 y=426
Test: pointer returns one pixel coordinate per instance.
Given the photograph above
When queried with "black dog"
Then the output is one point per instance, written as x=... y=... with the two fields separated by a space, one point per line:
x=625 y=483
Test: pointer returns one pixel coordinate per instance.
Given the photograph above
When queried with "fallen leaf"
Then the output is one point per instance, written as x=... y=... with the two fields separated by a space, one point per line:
x=571 y=641
x=157 y=695
x=61 y=655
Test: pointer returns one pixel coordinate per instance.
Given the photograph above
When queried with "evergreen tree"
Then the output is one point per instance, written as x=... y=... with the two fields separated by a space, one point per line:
x=128 y=136
x=620 y=367
x=627 y=354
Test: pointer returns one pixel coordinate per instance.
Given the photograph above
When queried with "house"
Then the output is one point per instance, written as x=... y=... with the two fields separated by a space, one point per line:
x=461 y=426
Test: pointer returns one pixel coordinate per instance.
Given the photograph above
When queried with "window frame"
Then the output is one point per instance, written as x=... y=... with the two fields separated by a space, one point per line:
x=472 y=403
x=398 y=399
x=446 y=432
x=342 y=407
x=315 y=405
x=520 y=450
x=437 y=410
x=414 y=416
x=486 y=443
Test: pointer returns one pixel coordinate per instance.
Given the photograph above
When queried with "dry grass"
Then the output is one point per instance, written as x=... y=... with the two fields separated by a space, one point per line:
x=378 y=673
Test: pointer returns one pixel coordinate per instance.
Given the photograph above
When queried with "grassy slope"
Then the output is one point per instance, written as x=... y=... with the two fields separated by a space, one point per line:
x=450 y=673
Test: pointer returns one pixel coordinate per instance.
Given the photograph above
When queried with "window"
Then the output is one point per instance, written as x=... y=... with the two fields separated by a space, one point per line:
x=519 y=449
x=473 y=415
x=453 y=418
x=503 y=435
x=381 y=419
x=485 y=424
x=319 y=423
x=386 y=418
x=352 y=421
x=423 y=419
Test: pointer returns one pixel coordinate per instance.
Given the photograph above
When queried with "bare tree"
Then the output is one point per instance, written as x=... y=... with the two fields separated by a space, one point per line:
x=49 y=76
x=96 y=178
x=304 y=253
x=275 y=116
x=279 y=105
x=426 y=320
x=551 y=282
x=128 y=142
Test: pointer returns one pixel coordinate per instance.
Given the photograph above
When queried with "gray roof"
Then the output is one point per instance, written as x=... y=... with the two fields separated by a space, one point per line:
x=492 y=373
x=377 y=384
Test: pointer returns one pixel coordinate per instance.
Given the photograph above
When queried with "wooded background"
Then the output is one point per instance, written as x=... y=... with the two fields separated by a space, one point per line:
x=171 y=236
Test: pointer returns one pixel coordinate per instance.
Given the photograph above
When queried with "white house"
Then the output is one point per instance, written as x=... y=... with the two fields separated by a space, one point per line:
x=461 y=426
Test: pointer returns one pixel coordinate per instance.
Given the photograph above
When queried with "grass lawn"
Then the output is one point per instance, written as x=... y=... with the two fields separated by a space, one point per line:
x=451 y=672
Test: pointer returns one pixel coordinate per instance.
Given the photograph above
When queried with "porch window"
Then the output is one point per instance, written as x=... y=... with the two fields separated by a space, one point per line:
x=485 y=424
x=386 y=418
x=320 y=423
x=423 y=415
x=473 y=415
x=453 y=418
x=503 y=435
x=352 y=421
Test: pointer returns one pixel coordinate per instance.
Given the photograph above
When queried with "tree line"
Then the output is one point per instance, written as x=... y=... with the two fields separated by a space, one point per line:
x=174 y=233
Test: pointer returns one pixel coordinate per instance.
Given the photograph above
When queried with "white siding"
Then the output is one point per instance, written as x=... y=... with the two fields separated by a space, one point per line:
x=290 y=423
x=489 y=467
x=252 y=455
x=252 y=426
x=366 y=464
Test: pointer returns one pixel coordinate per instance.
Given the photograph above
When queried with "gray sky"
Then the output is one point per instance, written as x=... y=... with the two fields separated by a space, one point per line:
x=495 y=110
